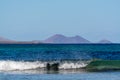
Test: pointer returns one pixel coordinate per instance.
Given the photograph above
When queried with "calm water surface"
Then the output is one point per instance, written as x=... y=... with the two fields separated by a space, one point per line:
x=62 y=76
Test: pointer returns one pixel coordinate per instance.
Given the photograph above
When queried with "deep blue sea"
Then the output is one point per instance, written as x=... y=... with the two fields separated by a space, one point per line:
x=27 y=61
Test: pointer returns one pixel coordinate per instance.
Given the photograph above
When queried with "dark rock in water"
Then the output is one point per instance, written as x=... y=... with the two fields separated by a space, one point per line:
x=54 y=66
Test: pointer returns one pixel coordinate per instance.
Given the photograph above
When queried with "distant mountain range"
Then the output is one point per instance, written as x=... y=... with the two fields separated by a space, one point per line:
x=55 y=39
x=58 y=38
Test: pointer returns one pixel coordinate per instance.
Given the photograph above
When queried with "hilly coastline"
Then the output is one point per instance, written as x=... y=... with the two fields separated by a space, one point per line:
x=58 y=38
x=55 y=39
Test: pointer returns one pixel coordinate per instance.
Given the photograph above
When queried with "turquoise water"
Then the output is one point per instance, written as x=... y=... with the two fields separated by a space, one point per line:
x=46 y=52
x=26 y=62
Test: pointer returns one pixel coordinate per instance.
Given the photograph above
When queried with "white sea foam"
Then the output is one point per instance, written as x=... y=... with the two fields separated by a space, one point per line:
x=22 y=65
x=72 y=65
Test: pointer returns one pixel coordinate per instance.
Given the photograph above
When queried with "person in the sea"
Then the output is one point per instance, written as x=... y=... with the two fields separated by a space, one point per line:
x=48 y=66
x=54 y=66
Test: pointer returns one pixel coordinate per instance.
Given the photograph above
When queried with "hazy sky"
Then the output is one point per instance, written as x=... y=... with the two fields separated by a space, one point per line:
x=39 y=19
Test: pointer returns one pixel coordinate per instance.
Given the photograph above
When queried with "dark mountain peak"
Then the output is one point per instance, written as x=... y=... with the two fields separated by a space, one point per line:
x=58 y=35
x=55 y=39
x=58 y=38
x=78 y=39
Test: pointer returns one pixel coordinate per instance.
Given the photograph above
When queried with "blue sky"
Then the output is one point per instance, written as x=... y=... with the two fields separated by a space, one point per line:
x=39 y=19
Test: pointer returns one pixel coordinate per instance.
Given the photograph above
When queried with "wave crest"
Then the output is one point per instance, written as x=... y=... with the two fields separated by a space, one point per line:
x=26 y=65
x=72 y=65
x=19 y=65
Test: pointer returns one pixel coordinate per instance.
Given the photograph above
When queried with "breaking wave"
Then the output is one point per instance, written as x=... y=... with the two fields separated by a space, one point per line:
x=26 y=65
x=72 y=65
x=20 y=65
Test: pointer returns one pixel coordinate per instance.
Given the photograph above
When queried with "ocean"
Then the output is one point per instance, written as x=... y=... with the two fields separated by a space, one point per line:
x=28 y=61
